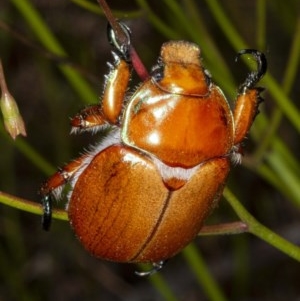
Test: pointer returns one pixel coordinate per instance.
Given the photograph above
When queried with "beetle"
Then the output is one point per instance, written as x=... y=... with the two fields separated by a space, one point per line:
x=143 y=193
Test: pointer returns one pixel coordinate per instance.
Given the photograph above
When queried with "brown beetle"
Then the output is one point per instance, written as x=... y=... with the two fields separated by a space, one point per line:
x=143 y=193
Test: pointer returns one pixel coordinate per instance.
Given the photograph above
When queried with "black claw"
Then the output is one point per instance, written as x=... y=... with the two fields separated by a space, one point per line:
x=156 y=266
x=122 y=46
x=47 y=212
x=255 y=76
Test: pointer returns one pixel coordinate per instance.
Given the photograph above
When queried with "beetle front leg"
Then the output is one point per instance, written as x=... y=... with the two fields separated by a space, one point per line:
x=89 y=118
x=246 y=107
x=115 y=89
x=108 y=111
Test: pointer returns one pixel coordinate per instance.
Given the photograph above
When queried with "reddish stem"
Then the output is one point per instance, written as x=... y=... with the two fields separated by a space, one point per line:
x=137 y=64
x=226 y=228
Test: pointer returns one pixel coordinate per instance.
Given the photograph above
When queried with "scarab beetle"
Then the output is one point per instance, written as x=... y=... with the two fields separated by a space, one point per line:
x=143 y=193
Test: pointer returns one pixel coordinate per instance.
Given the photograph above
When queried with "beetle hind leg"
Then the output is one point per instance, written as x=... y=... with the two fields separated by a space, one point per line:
x=53 y=186
x=47 y=212
x=156 y=266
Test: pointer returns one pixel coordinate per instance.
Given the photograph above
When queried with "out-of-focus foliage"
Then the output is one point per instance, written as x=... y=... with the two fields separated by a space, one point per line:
x=53 y=79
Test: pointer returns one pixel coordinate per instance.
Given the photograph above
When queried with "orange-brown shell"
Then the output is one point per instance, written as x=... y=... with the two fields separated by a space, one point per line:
x=180 y=130
x=121 y=210
x=180 y=118
x=146 y=197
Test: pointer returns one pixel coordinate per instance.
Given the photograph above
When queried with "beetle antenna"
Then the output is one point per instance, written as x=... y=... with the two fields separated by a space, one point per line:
x=254 y=77
x=156 y=266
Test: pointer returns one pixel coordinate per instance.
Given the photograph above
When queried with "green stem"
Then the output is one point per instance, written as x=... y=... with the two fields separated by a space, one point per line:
x=29 y=206
x=197 y=264
x=162 y=287
x=281 y=156
x=282 y=100
x=225 y=24
x=285 y=174
x=261 y=231
x=288 y=80
x=156 y=21
x=261 y=23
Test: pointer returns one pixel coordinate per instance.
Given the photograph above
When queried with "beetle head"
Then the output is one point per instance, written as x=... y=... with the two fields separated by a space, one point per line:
x=180 y=70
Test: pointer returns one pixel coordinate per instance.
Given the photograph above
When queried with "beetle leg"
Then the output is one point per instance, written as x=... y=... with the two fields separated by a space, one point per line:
x=119 y=37
x=246 y=107
x=156 y=266
x=62 y=176
x=120 y=40
x=47 y=212
x=254 y=77
x=108 y=111
x=54 y=185
x=115 y=89
x=90 y=118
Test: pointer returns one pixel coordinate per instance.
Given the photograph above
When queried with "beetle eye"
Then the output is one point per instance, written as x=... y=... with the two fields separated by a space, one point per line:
x=157 y=72
x=207 y=77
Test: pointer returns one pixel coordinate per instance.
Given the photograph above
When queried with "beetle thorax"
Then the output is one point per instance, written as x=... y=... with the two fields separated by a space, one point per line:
x=178 y=115
x=181 y=131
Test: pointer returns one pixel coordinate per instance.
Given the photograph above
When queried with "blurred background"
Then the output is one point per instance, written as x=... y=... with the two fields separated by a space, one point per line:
x=35 y=265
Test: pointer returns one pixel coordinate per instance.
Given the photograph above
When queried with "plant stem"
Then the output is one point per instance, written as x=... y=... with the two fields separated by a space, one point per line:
x=29 y=206
x=283 y=101
x=261 y=231
x=197 y=264
x=224 y=229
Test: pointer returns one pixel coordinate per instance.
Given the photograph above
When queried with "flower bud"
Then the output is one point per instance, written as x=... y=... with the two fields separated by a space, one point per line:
x=12 y=118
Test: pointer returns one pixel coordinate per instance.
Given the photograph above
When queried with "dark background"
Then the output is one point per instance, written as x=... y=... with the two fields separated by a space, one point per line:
x=35 y=265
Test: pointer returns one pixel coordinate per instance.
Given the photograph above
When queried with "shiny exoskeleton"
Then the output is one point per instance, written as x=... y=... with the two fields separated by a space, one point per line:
x=143 y=193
